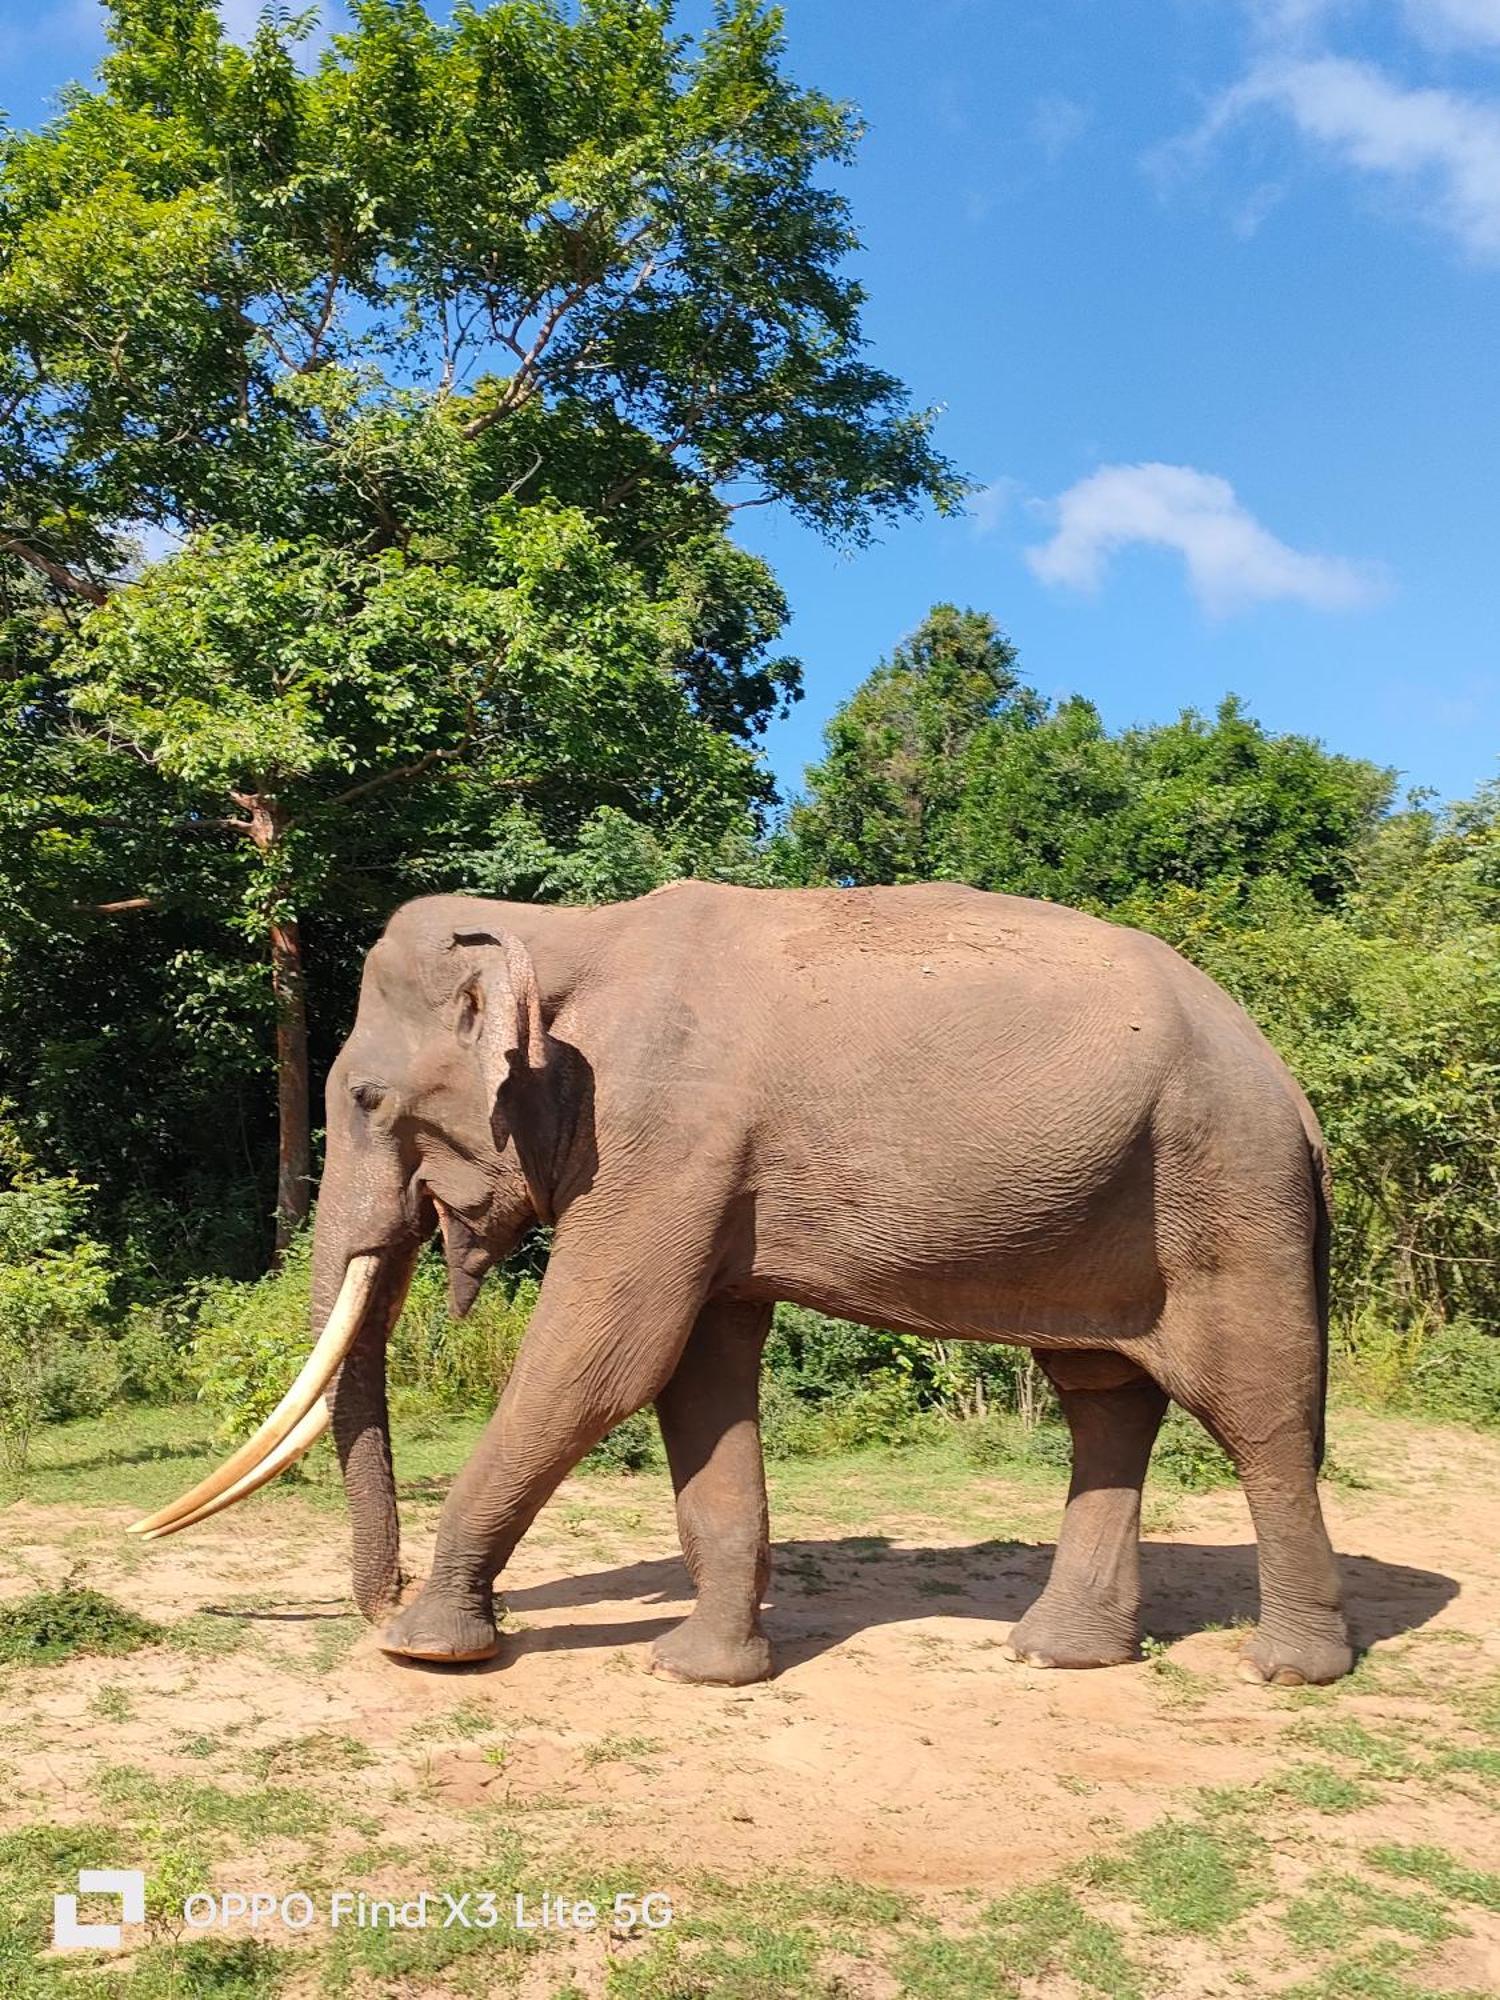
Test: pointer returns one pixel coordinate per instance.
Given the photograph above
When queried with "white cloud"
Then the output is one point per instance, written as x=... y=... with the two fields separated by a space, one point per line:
x=1257 y=205
x=1440 y=146
x=1231 y=560
x=989 y=505
x=1440 y=23
x=1057 y=124
x=1287 y=20
x=1455 y=23
x=1436 y=149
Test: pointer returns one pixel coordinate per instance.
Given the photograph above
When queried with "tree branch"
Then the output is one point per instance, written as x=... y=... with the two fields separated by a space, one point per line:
x=55 y=572
x=524 y=381
x=397 y=773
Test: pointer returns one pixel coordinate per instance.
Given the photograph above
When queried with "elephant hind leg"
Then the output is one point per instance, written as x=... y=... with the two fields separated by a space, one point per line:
x=1089 y=1613
x=709 y=1416
x=1245 y=1356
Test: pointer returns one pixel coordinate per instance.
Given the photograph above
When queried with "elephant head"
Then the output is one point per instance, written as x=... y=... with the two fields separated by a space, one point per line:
x=439 y=1114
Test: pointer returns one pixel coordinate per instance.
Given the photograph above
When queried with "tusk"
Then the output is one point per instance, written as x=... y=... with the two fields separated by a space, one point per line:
x=333 y=1344
x=302 y=1437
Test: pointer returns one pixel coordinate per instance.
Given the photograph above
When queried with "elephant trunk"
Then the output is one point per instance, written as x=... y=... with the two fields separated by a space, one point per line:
x=357 y=1402
x=370 y=1290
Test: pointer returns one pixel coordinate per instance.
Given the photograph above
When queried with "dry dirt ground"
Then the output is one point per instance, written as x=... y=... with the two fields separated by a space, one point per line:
x=900 y=1811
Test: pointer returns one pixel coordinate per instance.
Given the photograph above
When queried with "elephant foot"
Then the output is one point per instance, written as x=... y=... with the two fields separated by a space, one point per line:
x=444 y=1629
x=694 y=1652
x=1300 y=1660
x=1058 y=1634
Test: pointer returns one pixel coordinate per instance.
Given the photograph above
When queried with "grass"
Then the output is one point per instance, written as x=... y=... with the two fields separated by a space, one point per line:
x=1320 y=1788
x=462 y=1723
x=188 y=1806
x=1378 y=1753
x=1192 y=1878
x=1035 y=1935
x=36 y=1860
x=1441 y=1872
x=1342 y=1910
x=635 y=1750
x=48 y=1626
x=1287 y=1864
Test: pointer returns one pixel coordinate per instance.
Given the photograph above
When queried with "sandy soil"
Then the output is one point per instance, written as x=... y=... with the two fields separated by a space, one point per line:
x=895 y=1746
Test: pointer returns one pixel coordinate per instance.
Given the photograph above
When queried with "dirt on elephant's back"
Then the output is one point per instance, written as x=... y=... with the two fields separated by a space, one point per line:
x=897 y=1747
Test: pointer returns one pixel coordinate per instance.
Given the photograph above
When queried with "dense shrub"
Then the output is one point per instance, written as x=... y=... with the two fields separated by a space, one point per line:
x=250 y=1339
x=1396 y=1038
x=51 y=1625
x=1187 y=1457
x=1002 y=1439
x=54 y=1290
x=629 y=1447
x=1423 y=1365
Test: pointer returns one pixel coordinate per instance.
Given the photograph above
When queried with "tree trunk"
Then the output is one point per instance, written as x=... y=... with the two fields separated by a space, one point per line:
x=294 y=1141
x=266 y=826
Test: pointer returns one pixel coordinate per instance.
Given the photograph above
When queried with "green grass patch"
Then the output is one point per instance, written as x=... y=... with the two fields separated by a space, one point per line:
x=1377 y=1974
x=462 y=1723
x=52 y=1625
x=1185 y=1876
x=1340 y=1910
x=203 y=1969
x=1439 y=1871
x=161 y=1808
x=622 y=1750
x=1036 y=1937
x=1379 y=1755
x=319 y=1753
x=35 y=1862
x=1320 y=1788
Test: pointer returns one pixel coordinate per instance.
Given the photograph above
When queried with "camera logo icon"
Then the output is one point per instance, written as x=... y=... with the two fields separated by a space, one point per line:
x=129 y=1884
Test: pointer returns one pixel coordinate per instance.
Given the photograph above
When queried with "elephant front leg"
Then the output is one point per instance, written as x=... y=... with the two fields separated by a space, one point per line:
x=592 y=1356
x=709 y=1414
x=1089 y=1613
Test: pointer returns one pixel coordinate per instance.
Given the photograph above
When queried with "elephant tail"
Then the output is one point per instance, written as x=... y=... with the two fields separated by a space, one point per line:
x=1322 y=1180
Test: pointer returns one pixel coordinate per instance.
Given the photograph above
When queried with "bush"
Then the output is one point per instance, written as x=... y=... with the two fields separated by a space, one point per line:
x=1424 y=1366
x=885 y=1410
x=249 y=1340
x=630 y=1447
x=52 y=1625
x=459 y=1363
x=1001 y=1439
x=82 y=1379
x=1186 y=1455
x=154 y=1351
x=789 y=1427
x=54 y=1290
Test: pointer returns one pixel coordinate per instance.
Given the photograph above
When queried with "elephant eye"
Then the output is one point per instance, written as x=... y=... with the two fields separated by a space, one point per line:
x=368 y=1096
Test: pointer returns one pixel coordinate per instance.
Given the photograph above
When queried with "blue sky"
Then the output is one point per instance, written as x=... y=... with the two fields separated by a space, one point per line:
x=1208 y=291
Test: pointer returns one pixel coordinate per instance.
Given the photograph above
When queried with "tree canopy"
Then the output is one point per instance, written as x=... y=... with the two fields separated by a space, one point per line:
x=944 y=764
x=371 y=433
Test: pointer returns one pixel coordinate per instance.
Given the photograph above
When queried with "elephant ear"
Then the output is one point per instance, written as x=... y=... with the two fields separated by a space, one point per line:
x=499 y=1018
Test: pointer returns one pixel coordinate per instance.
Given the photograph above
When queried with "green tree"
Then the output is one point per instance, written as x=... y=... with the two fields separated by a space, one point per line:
x=431 y=377
x=943 y=763
x=881 y=804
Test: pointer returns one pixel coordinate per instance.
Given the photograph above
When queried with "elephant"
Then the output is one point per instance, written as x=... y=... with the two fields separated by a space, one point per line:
x=928 y=1108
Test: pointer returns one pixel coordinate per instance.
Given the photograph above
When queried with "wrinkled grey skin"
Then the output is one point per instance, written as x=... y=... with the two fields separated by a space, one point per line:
x=952 y=1113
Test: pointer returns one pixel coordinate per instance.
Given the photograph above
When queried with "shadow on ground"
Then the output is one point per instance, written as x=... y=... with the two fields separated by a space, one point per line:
x=825 y=1592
